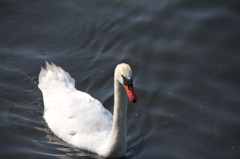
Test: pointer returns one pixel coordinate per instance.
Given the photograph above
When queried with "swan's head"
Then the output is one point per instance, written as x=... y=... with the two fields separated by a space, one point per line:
x=123 y=74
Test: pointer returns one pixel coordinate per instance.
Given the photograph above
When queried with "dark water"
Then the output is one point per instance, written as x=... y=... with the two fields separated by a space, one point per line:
x=185 y=57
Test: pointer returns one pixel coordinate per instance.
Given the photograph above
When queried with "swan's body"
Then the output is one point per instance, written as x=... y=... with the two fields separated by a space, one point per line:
x=81 y=120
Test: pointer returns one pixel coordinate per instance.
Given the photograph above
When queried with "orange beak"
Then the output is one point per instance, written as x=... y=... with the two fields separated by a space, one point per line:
x=131 y=93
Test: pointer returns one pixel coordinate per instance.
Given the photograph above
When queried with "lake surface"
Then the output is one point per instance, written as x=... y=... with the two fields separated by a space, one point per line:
x=185 y=57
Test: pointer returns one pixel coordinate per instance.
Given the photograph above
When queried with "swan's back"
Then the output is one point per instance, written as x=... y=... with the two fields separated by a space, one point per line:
x=72 y=115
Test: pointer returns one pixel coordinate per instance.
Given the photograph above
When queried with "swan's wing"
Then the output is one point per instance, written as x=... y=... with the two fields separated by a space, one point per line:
x=72 y=115
x=78 y=119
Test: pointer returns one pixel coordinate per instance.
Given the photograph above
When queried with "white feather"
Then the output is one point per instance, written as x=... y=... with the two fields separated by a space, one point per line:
x=81 y=120
x=72 y=115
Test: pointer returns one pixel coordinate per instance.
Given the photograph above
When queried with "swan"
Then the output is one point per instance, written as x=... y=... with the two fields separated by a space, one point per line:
x=81 y=120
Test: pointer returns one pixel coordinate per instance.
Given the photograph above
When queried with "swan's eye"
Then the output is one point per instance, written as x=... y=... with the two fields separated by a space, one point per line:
x=124 y=80
x=127 y=82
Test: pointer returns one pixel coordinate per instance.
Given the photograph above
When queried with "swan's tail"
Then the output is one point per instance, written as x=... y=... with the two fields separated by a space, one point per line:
x=53 y=78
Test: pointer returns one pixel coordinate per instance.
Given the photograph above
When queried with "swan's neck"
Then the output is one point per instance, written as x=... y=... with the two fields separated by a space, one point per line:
x=118 y=140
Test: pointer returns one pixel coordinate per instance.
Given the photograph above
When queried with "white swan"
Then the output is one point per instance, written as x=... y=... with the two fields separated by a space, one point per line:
x=82 y=121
